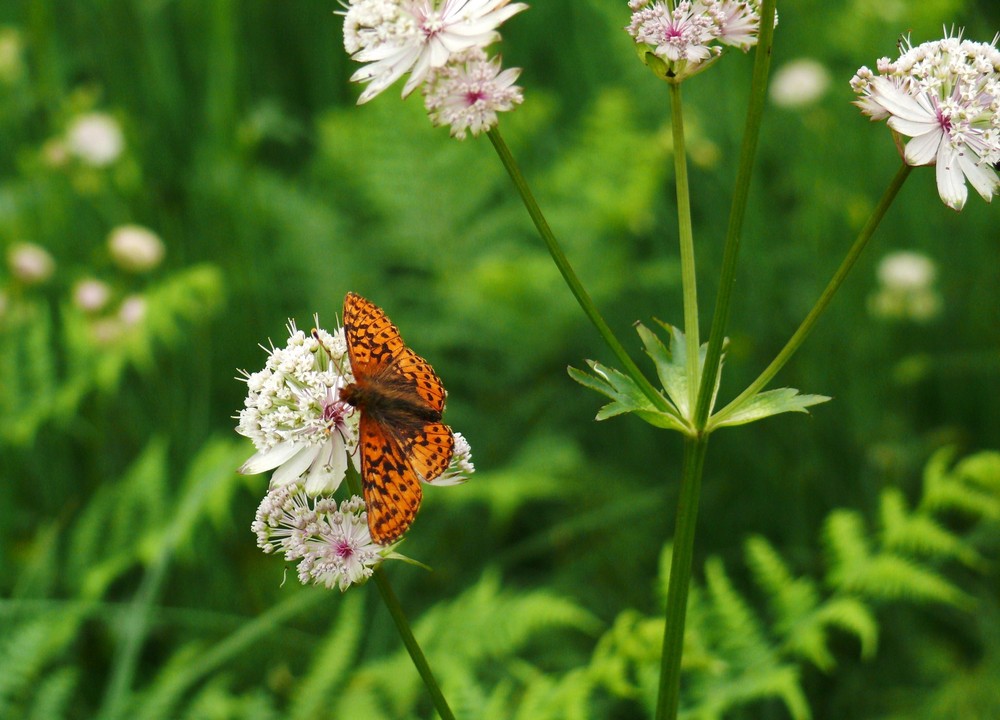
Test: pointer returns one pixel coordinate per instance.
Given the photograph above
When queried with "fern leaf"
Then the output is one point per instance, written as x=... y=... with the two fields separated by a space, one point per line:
x=960 y=491
x=919 y=534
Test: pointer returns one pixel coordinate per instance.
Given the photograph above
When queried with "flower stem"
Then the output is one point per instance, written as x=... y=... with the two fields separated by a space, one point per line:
x=402 y=624
x=741 y=191
x=689 y=280
x=668 y=697
x=412 y=647
x=836 y=281
x=575 y=286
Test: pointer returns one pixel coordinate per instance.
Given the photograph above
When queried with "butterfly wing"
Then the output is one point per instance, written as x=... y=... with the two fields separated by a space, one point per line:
x=372 y=340
x=391 y=487
x=430 y=450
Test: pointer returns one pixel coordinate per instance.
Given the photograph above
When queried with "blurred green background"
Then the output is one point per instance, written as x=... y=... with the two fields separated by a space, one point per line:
x=130 y=585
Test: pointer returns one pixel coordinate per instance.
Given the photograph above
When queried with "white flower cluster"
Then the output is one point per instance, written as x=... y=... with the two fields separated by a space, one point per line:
x=294 y=415
x=425 y=38
x=332 y=545
x=689 y=37
x=469 y=91
x=945 y=95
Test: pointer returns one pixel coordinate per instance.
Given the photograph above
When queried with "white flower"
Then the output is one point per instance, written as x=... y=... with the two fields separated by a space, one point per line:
x=95 y=138
x=135 y=248
x=945 y=95
x=132 y=310
x=294 y=415
x=395 y=37
x=688 y=37
x=332 y=545
x=469 y=91
x=906 y=288
x=91 y=295
x=30 y=263
x=799 y=83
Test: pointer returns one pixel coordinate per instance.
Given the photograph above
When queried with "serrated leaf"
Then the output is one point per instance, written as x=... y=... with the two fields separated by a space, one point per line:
x=765 y=404
x=626 y=397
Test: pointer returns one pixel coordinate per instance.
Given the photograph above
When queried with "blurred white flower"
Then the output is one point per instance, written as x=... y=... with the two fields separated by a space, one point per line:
x=132 y=310
x=135 y=248
x=395 y=37
x=95 y=138
x=30 y=263
x=945 y=95
x=11 y=55
x=799 y=83
x=91 y=295
x=468 y=92
x=333 y=545
x=294 y=416
x=906 y=288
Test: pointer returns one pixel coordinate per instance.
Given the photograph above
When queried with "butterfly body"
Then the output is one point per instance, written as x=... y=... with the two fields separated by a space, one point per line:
x=402 y=440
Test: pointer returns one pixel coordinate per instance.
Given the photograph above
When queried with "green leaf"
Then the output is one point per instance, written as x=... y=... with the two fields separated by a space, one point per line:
x=626 y=397
x=765 y=404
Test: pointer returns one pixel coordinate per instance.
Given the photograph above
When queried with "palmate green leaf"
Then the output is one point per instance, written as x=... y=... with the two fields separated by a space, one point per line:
x=765 y=404
x=671 y=365
x=625 y=397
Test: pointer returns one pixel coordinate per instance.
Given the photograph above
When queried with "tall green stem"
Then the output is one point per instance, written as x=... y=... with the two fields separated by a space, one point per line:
x=668 y=698
x=402 y=624
x=689 y=280
x=575 y=286
x=741 y=191
x=795 y=342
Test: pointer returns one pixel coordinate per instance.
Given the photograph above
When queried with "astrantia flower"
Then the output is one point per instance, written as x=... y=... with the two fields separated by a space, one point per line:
x=332 y=545
x=395 y=37
x=95 y=138
x=687 y=38
x=945 y=95
x=294 y=415
x=469 y=91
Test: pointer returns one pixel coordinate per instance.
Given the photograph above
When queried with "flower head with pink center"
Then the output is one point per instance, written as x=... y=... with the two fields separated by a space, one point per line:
x=294 y=415
x=469 y=91
x=945 y=96
x=686 y=39
x=332 y=544
x=395 y=37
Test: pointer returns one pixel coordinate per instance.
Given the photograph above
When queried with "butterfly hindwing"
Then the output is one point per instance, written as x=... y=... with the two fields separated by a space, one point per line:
x=391 y=487
x=430 y=450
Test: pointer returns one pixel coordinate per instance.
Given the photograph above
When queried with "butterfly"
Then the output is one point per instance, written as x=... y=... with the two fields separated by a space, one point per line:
x=402 y=440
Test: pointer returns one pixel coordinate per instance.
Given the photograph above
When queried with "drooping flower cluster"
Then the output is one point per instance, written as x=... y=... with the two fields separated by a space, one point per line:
x=469 y=91
x=945 y=95
x=685 y=40
x=423 y=38
x=331 y=544
x=294 y=415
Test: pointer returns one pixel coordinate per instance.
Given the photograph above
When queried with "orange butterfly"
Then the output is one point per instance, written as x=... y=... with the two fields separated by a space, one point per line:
x=401 y=436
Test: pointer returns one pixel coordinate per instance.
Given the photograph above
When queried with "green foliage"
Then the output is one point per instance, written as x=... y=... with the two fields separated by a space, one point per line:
x=739 y=655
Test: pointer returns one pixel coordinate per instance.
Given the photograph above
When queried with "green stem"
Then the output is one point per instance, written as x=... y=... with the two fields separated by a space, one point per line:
x=751 y=134
x=412 y=647
x=402 y=624
x=668 y=698
x=689 y=280
x=836 y=281
x=575 y=286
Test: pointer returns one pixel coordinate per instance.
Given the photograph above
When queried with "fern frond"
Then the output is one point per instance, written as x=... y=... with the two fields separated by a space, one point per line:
x=54 y=695
x=331 y=663
x=25 y=654
x=846 y=543
x=919 y=534
x=967 y=489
